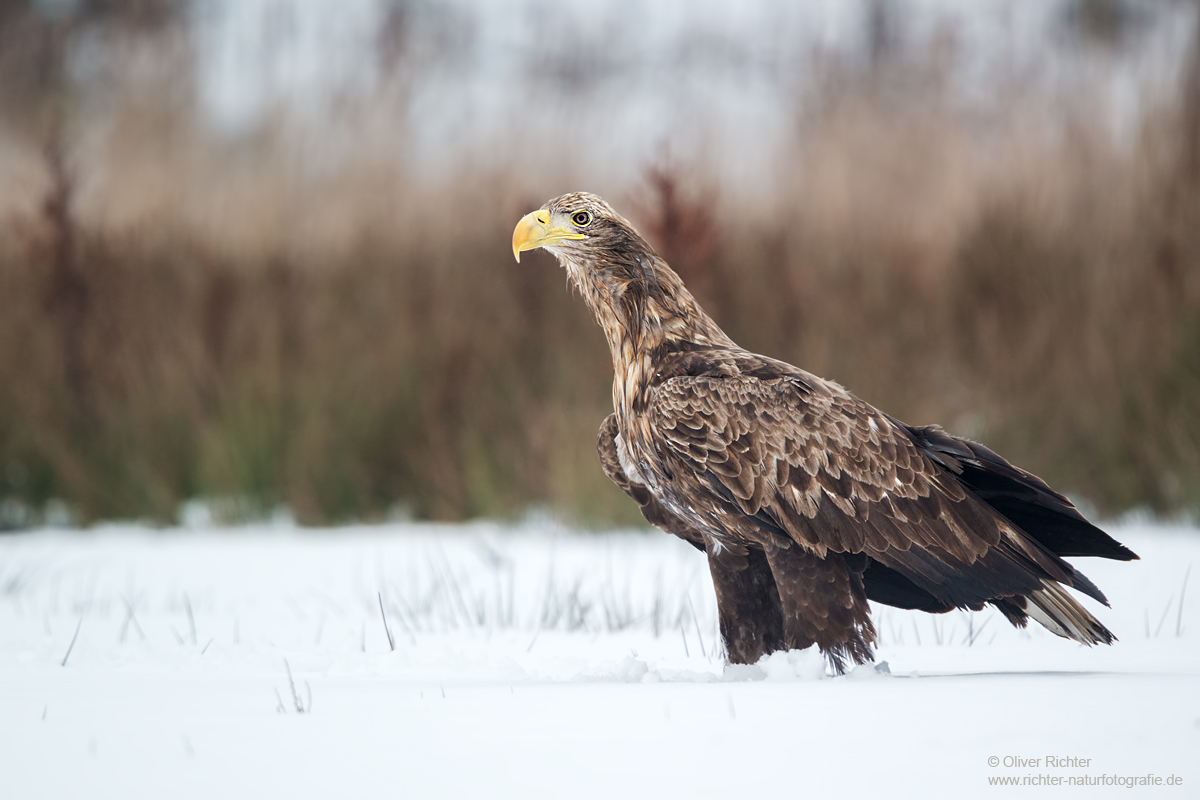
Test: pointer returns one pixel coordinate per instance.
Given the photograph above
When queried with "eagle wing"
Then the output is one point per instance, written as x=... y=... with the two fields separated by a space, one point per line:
x=652 y=509
x=794 y=456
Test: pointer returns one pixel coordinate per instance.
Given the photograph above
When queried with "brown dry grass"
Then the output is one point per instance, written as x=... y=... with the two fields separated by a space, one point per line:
x=182 y=317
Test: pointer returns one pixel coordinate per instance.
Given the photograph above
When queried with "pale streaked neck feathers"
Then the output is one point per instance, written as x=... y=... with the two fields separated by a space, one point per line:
x=640 y=306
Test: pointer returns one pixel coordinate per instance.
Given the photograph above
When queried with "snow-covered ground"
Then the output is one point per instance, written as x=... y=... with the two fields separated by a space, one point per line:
x=534 y=661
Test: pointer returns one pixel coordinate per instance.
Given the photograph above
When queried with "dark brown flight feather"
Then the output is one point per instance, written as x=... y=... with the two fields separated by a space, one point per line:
x=808 y=501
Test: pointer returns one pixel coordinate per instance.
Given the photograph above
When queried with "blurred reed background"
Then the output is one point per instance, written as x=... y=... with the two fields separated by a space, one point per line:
x=257 y=253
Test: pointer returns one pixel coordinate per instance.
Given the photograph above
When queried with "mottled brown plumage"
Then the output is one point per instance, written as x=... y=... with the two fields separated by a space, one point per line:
x=807 y=500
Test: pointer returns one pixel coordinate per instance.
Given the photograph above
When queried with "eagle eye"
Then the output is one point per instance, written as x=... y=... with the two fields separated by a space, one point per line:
x=581 y=218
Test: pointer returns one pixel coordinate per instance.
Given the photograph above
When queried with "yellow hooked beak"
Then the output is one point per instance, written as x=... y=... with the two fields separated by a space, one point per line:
x=536 y=230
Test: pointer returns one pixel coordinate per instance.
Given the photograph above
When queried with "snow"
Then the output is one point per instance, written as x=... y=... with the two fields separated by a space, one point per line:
x=536 y=661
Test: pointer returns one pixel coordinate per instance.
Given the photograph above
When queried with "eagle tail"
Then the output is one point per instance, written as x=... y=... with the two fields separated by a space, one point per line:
x=1058 y=613
x=1021 y=497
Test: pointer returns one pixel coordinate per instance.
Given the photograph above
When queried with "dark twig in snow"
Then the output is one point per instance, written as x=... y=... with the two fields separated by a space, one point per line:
x=1163 y=618
x=187 y=604
x=973 y=633
x=696 y=620
x=386 y=629
x=537 y=632
x=130 y=618
x=658 y=603
x=452 y=582
x=71 y=646
x=512 y=589
x=300 y=705
x=1182 y=592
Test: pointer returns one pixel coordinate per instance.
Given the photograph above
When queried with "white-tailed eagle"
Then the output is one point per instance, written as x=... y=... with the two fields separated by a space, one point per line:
x=808 y=501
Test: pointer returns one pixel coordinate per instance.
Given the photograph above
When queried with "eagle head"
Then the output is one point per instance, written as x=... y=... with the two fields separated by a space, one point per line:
x=581 y=229
x=635 y=296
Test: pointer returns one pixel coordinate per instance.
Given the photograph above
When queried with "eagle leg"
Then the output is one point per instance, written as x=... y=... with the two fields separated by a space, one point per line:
x=748 y=604
x=823 y=602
